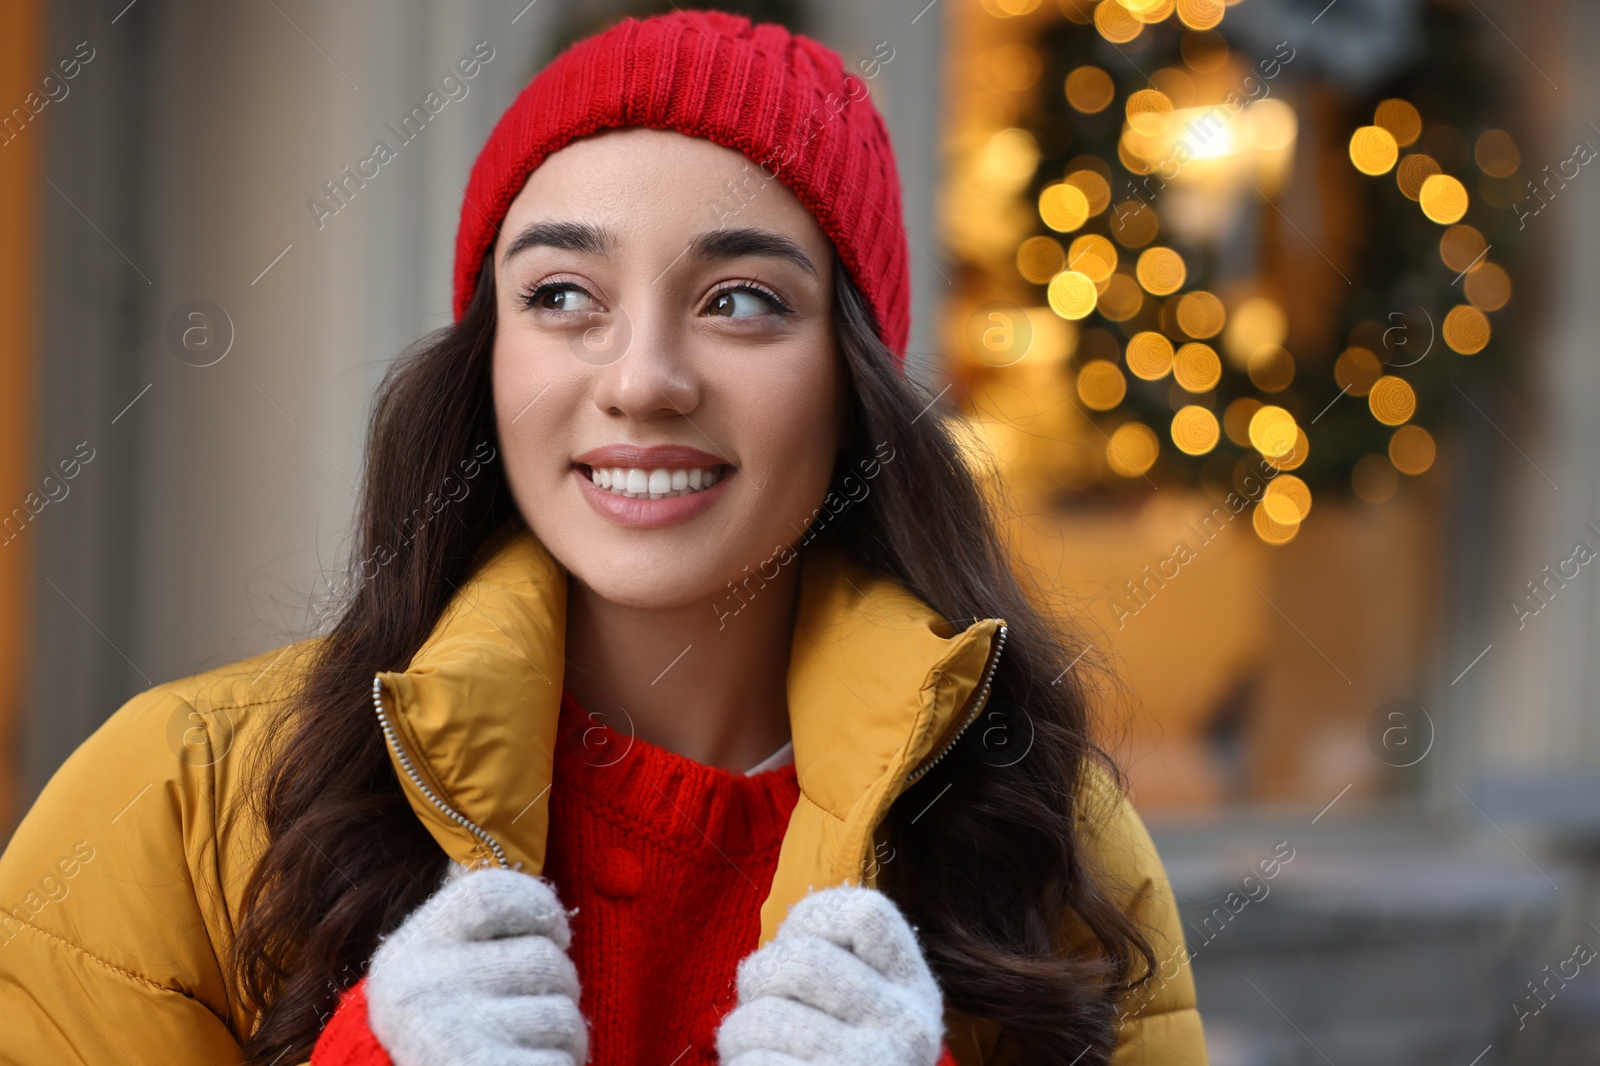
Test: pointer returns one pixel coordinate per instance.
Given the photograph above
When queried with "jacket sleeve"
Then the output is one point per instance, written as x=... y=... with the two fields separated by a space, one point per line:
x=1160 y=1021
x=113 y=917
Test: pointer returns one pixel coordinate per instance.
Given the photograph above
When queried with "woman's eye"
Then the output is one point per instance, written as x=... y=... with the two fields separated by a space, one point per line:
x=742 y=303
x=560 y=296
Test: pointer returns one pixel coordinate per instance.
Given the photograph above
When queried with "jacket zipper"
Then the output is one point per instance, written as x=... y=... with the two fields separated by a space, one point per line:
x=980 y=700
x=393 y=738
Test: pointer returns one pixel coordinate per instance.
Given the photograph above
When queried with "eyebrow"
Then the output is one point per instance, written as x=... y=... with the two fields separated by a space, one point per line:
x=708 y=246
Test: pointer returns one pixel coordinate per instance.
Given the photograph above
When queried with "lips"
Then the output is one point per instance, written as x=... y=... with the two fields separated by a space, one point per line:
x=651 y=487
x=667 y=456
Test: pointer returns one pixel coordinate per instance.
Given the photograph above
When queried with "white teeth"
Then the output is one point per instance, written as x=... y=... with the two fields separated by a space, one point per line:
x=655 y=484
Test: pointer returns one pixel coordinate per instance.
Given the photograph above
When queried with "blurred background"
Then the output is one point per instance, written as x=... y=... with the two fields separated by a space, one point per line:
x=1273 y=322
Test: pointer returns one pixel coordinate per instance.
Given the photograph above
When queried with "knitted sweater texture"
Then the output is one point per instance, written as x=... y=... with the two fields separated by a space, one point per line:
x=666 y=862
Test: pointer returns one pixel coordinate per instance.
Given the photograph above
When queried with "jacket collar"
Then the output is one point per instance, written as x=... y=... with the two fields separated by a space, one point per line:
x=878 y=683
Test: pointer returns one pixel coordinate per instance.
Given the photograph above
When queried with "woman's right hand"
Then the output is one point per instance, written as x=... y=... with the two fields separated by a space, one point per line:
x=479 y=976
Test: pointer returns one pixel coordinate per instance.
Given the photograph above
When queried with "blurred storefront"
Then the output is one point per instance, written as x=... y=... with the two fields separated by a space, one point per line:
x=1252 y=322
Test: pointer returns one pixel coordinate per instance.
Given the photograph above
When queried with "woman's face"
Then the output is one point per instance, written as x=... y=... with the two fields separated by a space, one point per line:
x=667 y=386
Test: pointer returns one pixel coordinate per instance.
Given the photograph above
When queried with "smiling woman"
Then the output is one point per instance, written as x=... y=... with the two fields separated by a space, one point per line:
x=538 y=795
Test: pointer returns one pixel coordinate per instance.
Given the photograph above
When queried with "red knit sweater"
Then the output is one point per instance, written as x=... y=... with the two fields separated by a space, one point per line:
x=646 y=845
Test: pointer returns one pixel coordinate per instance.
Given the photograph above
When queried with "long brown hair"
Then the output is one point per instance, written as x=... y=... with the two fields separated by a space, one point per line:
x=988 y=881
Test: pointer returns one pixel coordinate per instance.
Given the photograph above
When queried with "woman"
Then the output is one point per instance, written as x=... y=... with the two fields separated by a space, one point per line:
x=662 y=721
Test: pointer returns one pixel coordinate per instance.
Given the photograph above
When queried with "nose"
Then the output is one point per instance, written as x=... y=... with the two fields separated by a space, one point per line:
x=646 y=374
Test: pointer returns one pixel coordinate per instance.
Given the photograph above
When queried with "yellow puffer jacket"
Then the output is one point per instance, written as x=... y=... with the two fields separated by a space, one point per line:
x=121 y=888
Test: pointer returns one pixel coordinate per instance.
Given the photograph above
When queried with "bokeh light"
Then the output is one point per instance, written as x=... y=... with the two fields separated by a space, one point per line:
x=1444 y=199
x=1101 y=385
x=1195 y=430
x=1196 y=367
x=1132 y=449
x=1373 y=150
x=1392 y=400
x=1411 y=450
x=1466 y=329
x=1090 y=90
x=1149 y=356
x=1161 y=271
x=1071 y=294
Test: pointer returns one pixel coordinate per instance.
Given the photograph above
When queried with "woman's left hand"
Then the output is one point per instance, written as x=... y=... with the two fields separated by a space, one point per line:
x=843 y=983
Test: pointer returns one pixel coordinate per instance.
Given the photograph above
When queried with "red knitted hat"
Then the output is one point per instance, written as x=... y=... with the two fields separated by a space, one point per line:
x=782 y=99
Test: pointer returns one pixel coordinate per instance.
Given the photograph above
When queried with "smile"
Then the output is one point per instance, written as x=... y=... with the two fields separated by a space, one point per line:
x=659 y=483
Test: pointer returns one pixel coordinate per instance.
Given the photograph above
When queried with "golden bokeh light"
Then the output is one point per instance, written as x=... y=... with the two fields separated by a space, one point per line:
x=1122 y=298
x=1063 y=207
x=1161 y=271
x=1272 y=430
x=1150 y=12
x=1270 y=530
x=1090 y=90
x=1357 y=370
x=1149 y=356
x=1287 y=500
x=1488 y=286
x=1236 y=419
x=1296 y=454
x=1201 y=14
x=1095 y=189
x=1093 y=255
x=1413 y=170
x=1374 y=479
x=1466 y=329
x=1130 y=159
x=1255 y=323
x=1071 y=294
x=1272 y=369
x=1040 y=258
x=1200 y=313
x=1411 y=450
x=1400 y=120
x=1460 y=247
x=1196 y=367
x=1392 y=400
x=1373 y=150
x=1496 y=154
x=1132 y=449
x=1008 y=159
x=1134 y=224
x=1204 y=50
x=1444 y=199
x=1195 y=430
x=1101 y=385
x=1116 y=23
x=1148 y=111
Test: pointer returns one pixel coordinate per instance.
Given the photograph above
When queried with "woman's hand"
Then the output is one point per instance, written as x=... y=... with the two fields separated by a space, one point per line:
x=479 y=976
x=843 y=983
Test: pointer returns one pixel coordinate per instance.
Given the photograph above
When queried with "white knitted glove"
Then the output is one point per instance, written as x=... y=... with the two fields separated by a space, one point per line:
x=843 y=983
x=479 y=976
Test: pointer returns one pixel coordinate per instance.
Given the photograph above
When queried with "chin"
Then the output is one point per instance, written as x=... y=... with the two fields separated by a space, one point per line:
x=650 y=589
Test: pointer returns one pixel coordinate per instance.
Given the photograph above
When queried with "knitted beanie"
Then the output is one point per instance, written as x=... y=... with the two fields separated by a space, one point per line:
x=782 y=99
